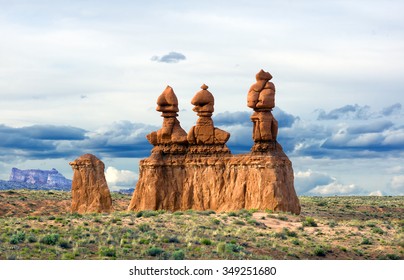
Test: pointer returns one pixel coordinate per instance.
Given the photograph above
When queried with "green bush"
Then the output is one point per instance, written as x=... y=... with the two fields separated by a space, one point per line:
x=309 y=222
x=19 y=237
x=319 y=251
x=144 y=227
x=50 y=239
x=377 y=230
x=32 y=238
x=239 y=222
x=206 y=241
x=154 y=251
x=178 y=255
x=65 y=244
x=233 y=248
x=366 y=241
x=107 y=252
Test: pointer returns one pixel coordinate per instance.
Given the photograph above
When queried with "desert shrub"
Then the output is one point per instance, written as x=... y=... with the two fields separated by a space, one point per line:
x=147 y=213
x=144 y=241
x=239 y=222
x=144 y=227
x=173 y=239
x=19 y=237
x=282 y=218
x=68 y=256
x=178 y=213
x=50 y=239
x=107 y=251
x=319 y=251
x=280 y=235
x=77 y=215
x=393 y=257
x=232 y=214
x=309 y=222
x=377 y=230
x=366 y=241
x=332 y=224
x=65 y=244
x=288 y=232
x=233 y=248
x=206 y=212
x=154 y=251
x=178 y=255
x=253 y=222
x=32 y=238
x=215 y=221
x=206 y=241
x=295 y=241
x=244 y=213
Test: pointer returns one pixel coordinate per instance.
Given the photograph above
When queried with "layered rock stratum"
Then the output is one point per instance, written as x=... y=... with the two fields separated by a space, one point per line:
x=201 y=173
x=90 y=192
x=36 y=179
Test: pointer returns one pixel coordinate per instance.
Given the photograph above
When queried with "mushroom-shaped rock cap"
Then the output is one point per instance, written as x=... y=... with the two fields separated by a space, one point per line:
x=203 y=97
x=86 y=160
x=262 y=75
x=167 y=101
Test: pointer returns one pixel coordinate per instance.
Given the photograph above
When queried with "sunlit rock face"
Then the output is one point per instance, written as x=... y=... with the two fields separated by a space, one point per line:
x=90 y=191
x=201 y=173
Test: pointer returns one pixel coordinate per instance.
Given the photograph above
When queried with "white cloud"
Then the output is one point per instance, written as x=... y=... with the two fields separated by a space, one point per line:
x=376 y=193
x=397 y=185
x=336 y=188
x=120 y=179
x=307 y=180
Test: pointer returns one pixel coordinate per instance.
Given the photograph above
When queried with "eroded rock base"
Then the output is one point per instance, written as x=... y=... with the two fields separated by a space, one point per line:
x=261 y=180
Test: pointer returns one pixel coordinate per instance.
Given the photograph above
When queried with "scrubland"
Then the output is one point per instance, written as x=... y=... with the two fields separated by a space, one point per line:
x=38 y=225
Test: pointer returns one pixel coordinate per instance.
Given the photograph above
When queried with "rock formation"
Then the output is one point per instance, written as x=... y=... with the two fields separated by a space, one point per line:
x=204 y=137
x=171 y=138
x=261 y=98
x=41 y=178
x=90 y=191
x=207 y=176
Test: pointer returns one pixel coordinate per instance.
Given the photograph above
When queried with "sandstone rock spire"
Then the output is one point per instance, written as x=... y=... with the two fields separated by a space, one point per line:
x=204 y=137
x=90 y=191
x=261 y=98
x=171 y=138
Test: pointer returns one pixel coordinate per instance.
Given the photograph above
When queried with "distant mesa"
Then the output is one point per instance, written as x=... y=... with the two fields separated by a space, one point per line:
x=36 y=179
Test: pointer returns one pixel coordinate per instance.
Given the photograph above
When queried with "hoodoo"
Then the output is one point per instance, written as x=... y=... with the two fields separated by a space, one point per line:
x=197 y=170
x=90 y=191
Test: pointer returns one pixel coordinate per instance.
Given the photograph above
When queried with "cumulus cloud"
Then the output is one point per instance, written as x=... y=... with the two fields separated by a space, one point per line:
x=232 y=118
x=120 y=179
x=391 y=110
x=37 y=142
x=119 y=139
x=336 y=188
x=171 y=57
x=317 y=183
x=307 y=180
x=345 y=112
x=397 y=185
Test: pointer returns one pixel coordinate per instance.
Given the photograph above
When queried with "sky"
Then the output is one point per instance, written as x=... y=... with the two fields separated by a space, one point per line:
x=83 y=77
